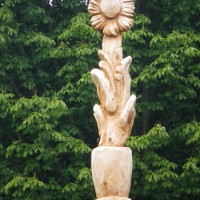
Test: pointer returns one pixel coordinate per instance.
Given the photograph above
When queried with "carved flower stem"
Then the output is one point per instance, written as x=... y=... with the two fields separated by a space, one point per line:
x=110 y=43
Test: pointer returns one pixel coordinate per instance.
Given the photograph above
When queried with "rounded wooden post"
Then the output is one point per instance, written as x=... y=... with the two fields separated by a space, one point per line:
x=114 y=198
x=111 y=172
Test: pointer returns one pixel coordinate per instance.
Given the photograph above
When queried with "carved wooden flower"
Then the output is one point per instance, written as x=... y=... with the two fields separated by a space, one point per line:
x=111 y=16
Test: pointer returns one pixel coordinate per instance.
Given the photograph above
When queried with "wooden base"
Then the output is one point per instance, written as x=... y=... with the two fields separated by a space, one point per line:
x=111 y=172
x=114 y=198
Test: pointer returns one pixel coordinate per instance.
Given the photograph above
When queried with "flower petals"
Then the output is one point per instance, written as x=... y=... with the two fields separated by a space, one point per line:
x=98 y=21
x=124 y=23
x=112 y=27
x=128 y=8
x=128 y=12
x=94 y=7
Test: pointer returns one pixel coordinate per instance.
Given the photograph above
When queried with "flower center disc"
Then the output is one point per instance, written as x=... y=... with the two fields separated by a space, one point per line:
x=110 y=8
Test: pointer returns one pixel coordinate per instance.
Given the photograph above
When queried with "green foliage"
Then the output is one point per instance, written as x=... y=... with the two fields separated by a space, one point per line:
x=47 y=128
x=43 y=148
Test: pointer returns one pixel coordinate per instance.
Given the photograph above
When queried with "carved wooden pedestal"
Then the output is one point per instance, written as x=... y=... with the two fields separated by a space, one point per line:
x=114 y=198
x=111 y=171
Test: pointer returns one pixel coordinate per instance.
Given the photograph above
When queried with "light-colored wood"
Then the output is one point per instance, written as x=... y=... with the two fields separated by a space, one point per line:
x=111 y=16
x=114 y=198
x=111 y=162
x=111 y=171
x=111 y=8
x=116 y=112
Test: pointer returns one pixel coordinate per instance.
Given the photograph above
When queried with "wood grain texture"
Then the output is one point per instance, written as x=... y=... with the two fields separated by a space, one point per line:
x=115 y=115
x=116 y=112
x=114 y=198
x=111 y=162
x=111 y=171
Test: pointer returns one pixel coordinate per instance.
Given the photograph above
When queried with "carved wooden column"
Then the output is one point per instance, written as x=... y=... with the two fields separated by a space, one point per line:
x=111 y=161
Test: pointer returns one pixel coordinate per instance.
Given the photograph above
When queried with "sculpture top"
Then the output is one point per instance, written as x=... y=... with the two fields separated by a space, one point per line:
x=116 y=112
x=111 y=16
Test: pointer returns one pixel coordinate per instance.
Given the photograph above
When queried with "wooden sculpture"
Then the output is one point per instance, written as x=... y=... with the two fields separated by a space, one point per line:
x=112 y=163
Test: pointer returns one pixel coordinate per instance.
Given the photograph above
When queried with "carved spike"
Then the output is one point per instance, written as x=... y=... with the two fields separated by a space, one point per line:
x=126 y=62
x=100 y=80
x=104 y=56
x=107 y=69
x=99 y=118
x=130 y=105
